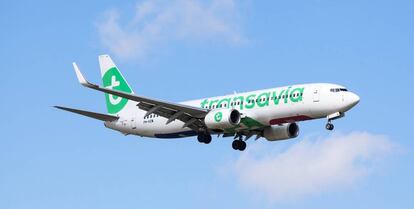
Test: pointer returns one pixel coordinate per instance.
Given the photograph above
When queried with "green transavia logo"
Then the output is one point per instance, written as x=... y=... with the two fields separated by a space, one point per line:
x=218 y=116
x=113 y=80
x=261 y=99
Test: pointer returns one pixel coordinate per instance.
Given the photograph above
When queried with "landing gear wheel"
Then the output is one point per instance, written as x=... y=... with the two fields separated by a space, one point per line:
x=207 y=139
x=200 y=138
x=329 y=126
x=242 y=145
x=235 y=144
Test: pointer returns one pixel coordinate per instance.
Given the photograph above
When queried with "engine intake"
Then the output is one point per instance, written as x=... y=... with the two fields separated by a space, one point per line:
x=222 y=118
x=281 y=132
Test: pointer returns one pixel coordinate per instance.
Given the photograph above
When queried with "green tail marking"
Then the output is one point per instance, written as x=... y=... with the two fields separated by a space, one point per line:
x=114 y=80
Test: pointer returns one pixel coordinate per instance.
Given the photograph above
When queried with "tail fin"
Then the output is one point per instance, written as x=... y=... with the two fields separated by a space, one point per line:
x=113 y=79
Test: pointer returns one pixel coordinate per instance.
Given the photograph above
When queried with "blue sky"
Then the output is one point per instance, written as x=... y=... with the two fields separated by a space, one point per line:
x=179 y=50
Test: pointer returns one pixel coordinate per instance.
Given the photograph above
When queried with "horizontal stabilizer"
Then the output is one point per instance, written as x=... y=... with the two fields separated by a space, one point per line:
x=98 y=116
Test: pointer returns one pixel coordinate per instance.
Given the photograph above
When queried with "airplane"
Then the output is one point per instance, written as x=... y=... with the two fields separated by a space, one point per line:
x=272 y=114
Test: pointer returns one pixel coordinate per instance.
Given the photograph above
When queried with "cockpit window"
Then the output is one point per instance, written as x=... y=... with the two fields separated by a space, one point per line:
x=338 y=89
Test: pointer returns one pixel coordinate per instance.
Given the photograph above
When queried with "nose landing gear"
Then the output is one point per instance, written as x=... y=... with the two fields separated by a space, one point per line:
x=329 y=126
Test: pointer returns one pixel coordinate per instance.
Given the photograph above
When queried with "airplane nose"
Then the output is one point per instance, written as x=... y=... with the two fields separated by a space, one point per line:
x=352 y=100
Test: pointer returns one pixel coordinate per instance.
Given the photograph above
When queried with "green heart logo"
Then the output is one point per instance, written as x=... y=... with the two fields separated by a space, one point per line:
x=114 y=80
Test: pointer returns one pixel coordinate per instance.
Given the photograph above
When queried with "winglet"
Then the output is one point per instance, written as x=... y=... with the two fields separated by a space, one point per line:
x=82 y=80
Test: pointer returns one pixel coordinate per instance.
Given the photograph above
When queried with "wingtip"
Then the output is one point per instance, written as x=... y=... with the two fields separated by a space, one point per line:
x=59 y=107
x=82 y=80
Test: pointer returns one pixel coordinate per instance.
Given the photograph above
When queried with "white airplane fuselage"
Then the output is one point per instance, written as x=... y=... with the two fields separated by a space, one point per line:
x=269 y=113
x=270 y=107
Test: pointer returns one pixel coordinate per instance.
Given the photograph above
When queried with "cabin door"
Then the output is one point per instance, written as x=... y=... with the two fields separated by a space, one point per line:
x=316 y=94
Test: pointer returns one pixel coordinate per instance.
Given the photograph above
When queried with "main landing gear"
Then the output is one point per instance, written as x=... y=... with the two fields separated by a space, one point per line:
x=239 y=144
x=204 y=138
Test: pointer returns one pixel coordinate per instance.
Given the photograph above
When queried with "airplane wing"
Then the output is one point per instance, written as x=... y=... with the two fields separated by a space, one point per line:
x=98 y=116
x=191 y=116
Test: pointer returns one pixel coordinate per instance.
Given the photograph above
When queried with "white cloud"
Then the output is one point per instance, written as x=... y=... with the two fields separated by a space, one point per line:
x=310 y=167
x=158 y=22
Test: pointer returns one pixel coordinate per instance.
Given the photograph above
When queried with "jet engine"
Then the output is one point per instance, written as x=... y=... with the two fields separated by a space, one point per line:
x=281 y=132
x=222 y=118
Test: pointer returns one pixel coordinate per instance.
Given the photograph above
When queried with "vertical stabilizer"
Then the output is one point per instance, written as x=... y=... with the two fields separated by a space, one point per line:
x=113 y=79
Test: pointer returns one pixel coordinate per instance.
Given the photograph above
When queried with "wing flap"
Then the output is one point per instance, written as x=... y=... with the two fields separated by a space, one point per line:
x=168 y=113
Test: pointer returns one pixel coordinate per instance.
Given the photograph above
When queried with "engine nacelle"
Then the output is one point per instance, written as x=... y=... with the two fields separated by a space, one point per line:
x=285 y=131
x=222 y=118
